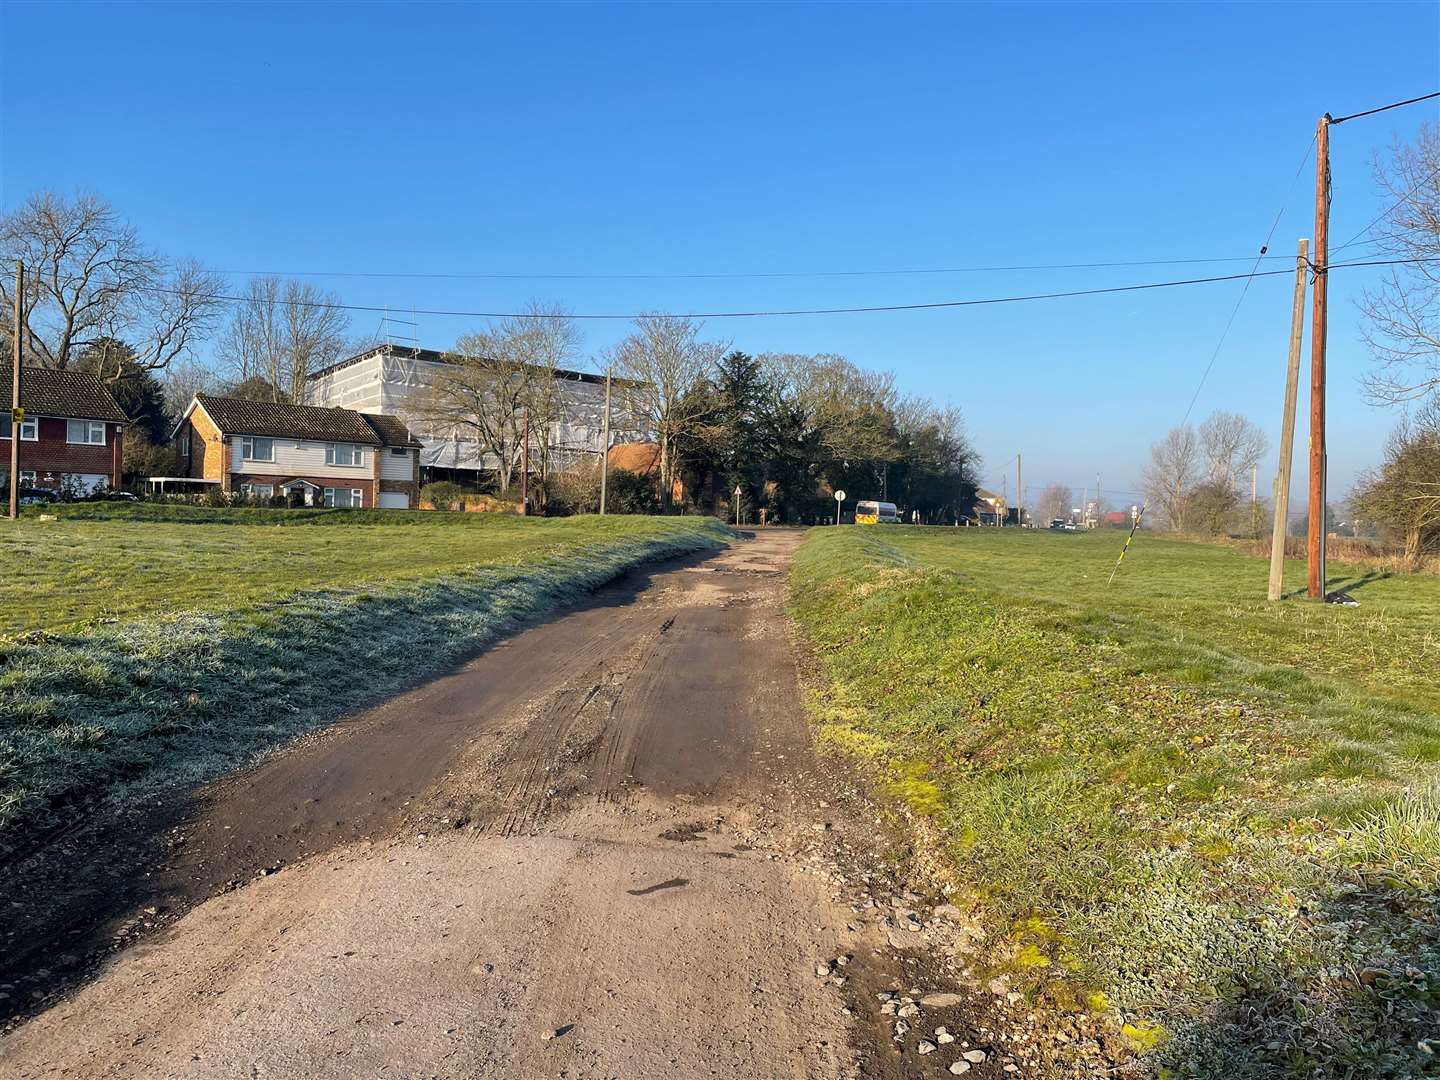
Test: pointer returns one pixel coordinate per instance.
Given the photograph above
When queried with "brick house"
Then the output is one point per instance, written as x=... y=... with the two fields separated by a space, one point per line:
x=316 y=456
x=73 y=436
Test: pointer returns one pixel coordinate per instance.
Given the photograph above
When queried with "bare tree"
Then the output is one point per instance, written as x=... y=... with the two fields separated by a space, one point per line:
x=1173 y=473
x=315 y=329
x=89 y=279
x=478 y=396
x=498 y=378
x=250 y=346
x=541 y=342
x=1232 y=446
x=281 y=332
x=1056 y=501
x=856 y=412
x=664 y=361
x=1402 y=315
x=183 y=381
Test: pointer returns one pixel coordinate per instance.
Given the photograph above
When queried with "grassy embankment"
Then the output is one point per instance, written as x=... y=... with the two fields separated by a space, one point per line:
x=155 y=646
x=1214 y=818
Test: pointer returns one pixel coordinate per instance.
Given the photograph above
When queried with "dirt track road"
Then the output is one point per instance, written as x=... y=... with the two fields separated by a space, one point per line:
x=589 y=853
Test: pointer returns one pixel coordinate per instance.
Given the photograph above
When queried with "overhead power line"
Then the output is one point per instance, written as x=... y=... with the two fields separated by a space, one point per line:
x=915 y=271
x=1383 y=108
x=938 y=305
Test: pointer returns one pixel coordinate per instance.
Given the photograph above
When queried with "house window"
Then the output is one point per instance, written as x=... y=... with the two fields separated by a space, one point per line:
x=344 y=497
x=254 y=449
x=258 y=491
x=29 y=428
x=27 y=479
x=84 y=432
x=399 y=451
x=185 y=444
x=344 y=454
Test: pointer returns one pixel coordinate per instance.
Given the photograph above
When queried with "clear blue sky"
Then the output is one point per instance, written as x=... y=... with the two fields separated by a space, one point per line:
x=693 y=139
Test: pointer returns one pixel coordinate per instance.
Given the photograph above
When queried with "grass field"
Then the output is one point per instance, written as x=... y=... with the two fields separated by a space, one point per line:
x=1215 y=818
x=107 y=560
x=154 y=648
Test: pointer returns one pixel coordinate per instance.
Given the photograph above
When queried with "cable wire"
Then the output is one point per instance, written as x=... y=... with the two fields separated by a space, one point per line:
x=937 y=305
x=1383 y=108
x=735 y=276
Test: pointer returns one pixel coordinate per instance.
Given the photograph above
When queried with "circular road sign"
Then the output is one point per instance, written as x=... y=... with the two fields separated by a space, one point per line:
x=840 y=496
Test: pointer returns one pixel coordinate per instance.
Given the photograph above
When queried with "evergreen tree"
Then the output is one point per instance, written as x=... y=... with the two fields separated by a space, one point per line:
x=137 y=391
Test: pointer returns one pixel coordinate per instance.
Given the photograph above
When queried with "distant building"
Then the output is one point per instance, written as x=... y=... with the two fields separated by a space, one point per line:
x=389 y=379
x=989 y=508
x=72 y=437
x=307 y=455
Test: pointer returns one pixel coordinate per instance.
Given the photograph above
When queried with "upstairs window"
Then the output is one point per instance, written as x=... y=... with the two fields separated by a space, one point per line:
x=85 y=432
x=185 y=444
x=29 y=428
x=399 y=451
x=257 y=449
x=343 y=453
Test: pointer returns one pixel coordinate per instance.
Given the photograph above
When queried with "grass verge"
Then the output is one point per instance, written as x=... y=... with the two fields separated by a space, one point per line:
x=115 y=708
x=105 y=561
x=1213 y=819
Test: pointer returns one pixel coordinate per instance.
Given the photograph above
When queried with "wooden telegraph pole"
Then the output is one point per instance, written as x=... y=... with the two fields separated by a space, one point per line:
x=1019 y=498
x=17 y=410
x=605 y=444
x=1315 y=553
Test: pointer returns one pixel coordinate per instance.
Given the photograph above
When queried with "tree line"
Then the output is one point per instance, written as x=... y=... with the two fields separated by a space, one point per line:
x=786 y=430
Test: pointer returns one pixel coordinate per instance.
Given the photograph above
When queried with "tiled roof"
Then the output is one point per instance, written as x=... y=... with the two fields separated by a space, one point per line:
x=391 y=429
x=636 y=457
x=45 y=392
x=279 y=419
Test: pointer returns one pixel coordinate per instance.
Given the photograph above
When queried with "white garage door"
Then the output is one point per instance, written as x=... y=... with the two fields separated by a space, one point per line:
x=394 y=500
x=84 y=483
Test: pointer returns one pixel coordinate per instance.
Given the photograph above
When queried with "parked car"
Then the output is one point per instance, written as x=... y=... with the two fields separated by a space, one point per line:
x=36 y=497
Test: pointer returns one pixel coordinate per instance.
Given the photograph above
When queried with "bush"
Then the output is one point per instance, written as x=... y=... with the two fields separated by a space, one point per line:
x=443 y=495
x=574 y=491
x=1213 y=509
x=630 y=493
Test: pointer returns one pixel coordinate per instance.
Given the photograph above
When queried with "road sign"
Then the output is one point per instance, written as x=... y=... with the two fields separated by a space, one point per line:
x=840 y=496
x=17 y=416
x=839 y=500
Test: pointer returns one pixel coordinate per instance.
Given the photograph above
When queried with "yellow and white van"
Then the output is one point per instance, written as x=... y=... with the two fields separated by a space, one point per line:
x=876 y=513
